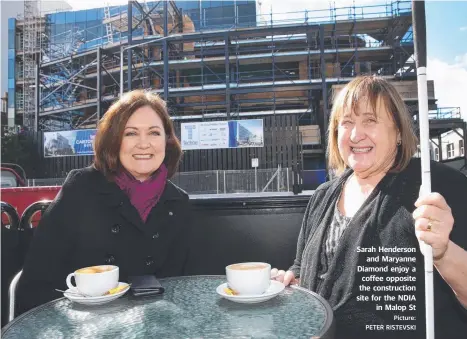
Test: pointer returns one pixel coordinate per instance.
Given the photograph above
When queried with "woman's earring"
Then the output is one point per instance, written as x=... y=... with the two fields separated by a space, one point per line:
x=399 y=142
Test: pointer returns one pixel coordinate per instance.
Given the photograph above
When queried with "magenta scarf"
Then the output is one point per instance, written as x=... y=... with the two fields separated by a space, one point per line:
x=143 y=195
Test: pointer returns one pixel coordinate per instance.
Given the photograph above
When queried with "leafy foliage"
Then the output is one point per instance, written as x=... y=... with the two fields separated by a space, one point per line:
x=19 y=147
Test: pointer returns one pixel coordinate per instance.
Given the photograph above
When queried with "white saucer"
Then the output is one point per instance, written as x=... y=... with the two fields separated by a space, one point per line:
x=274 y=289
x=95 y=300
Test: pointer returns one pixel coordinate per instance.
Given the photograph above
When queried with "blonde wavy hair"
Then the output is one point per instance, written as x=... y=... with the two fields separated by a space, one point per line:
x=373 y=89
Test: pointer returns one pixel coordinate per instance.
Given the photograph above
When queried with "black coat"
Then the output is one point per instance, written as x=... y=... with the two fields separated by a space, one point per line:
x=92 y=222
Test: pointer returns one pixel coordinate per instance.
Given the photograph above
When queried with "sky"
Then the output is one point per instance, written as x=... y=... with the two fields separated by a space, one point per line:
x=446 y=38
x=447 y=52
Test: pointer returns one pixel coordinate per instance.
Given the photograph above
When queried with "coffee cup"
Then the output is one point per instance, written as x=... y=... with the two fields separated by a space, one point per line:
x=94 y=281
x=249 y=278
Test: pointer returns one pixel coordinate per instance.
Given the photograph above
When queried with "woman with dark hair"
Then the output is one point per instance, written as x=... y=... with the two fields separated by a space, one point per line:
x=359 y=242
x=123 y=210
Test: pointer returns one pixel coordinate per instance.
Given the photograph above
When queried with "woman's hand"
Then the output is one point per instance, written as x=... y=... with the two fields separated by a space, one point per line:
x=287 y=278
x=433 y=223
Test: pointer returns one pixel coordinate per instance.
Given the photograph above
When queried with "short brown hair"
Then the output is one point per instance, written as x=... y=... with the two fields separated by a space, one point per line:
x=110 y=130
x=372 y=88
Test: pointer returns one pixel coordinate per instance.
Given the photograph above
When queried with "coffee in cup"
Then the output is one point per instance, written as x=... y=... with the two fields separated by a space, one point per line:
x=249 y=278
x=94 y=281
x=95 y=269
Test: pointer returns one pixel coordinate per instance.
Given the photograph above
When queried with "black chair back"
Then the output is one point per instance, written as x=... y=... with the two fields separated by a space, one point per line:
x=16 y=238
x=236 y=230
x=27 y=228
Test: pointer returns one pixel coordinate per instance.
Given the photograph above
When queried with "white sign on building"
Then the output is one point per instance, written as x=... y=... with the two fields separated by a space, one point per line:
x=222 y=134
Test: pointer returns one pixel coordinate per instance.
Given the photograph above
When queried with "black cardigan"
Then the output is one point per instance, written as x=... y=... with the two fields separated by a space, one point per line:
x=385 y=219
x=92 y=222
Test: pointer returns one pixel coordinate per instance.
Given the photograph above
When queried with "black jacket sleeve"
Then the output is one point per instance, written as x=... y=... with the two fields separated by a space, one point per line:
x=45 y=266
x=303 y=237
x=177 y=259
x=187 y=236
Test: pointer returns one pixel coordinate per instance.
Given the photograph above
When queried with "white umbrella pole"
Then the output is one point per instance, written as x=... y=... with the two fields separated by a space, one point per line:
x=419 y=31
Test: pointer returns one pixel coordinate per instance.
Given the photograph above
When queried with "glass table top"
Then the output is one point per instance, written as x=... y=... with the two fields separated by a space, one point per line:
x=189 y=308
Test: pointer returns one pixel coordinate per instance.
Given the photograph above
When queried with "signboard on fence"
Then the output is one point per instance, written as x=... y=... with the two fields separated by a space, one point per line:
x=222 y=134
x=68 y=143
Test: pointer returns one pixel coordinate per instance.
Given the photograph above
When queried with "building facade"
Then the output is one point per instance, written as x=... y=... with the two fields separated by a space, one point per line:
x=211 y=61
x=13 y=52
x=448 y=133
x=7 y=62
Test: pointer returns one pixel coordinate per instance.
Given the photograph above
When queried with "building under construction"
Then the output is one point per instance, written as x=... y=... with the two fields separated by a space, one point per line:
x=213 y=61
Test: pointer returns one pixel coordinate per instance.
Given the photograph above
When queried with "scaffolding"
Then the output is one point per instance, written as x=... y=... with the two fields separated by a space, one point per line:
x=282 y=67
x=70 y=56
x=286 y=64
x=108 y=26
x=276 y=64
x=31 y=53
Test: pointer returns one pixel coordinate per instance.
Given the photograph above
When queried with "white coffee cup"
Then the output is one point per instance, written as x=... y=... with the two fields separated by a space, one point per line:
x=94 y=281
x=249 y=278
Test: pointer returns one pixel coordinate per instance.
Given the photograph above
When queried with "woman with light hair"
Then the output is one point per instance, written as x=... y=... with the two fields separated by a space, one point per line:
x=359 y=242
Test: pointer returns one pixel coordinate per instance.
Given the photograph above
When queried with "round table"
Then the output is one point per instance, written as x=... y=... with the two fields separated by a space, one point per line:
x=189 y=308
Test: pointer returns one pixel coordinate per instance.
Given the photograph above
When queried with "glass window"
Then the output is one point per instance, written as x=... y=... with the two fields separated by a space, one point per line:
x=58 y=33
x=450 y=150
x=204 y=4
x=11 y=68
x=60 y=18
x=69 y=27
x=100 y=13
x=11 y=97
x=91 y=15
x=247 y=14
x=116 y=10
x=81 y=16
x=221 y=3
x=11 y=23
x=214 y=17
x=122 y=9
x=194 y=16
x=187 y=5
x=436 y=153
x=50 y=18
x=461 y=148
x=70 y=17
x=228 y=13
x=81 y=25
x=11 y=38
x=92 y=33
